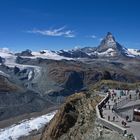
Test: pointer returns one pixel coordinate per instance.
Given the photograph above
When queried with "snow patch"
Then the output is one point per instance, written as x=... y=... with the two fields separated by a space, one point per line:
x=5 y=50
x=30 y=75
x=46 y=55
x=25 y=127
x=108 y=52
x=134 y=52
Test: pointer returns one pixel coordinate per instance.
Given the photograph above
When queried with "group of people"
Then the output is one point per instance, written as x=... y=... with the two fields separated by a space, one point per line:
x=124 y=123
x=113 y=96
x=113 y=118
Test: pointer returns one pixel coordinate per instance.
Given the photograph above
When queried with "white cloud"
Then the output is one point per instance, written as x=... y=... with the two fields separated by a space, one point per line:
x=54 y=32
x=93 y=36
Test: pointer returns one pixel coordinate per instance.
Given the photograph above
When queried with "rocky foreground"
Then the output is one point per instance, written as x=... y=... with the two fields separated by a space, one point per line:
x=76 y=120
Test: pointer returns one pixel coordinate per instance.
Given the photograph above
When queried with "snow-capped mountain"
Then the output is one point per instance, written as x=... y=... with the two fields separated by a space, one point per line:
x=108 y=42
x=108 y=47
x=45 y=54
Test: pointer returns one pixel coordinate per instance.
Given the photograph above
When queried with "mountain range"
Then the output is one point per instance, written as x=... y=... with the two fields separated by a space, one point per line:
x=38 y=82
x=108 y=47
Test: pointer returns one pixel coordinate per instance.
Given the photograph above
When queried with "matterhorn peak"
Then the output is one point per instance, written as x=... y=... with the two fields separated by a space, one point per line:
x=108 y=42
x=110 y=38
x=109 y=33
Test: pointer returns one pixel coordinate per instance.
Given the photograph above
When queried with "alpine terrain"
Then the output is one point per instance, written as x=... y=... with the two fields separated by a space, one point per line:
x=36 y=83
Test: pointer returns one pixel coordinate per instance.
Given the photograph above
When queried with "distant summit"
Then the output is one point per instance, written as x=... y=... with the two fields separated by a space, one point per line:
x=108 y=47
x=107 y=42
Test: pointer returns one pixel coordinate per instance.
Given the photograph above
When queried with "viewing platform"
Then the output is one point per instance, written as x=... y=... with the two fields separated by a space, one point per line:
x=119 y=110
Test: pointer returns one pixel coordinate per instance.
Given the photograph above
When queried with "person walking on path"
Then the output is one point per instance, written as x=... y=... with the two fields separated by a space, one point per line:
x=109 y=107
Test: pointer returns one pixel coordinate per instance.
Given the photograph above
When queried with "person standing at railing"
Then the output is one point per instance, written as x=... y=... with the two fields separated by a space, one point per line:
x=130 y=96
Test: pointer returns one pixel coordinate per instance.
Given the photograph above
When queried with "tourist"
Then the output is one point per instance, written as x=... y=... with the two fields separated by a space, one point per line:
x=109 y=107
x=112 y=109
x=137 y=91
x=124 y=123
x=101 y=133
x=113 y=118
x=112 y=97
x=127 y=118
x=108 y=102
x=108 y=118
x=114 y=100
x=130 y=96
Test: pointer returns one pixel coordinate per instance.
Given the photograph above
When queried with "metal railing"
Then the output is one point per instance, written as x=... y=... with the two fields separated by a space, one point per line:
x=106 y=123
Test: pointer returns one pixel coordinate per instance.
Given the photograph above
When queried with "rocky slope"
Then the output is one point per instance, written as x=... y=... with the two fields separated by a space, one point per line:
x=76 y=120
x=7 y=86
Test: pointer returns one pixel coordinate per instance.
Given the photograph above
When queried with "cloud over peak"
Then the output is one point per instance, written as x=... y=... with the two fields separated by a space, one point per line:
x=54 y=32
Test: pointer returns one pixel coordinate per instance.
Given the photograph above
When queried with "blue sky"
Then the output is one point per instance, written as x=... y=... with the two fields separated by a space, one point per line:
x=65 y=24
